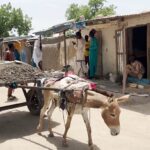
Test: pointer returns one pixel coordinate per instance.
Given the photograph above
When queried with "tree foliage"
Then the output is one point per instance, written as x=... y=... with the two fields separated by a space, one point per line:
x=12 y=18
x=73 y=12
x=89 y=11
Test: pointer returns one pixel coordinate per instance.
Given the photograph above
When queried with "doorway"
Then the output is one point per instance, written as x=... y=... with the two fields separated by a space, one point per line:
x=136 y=44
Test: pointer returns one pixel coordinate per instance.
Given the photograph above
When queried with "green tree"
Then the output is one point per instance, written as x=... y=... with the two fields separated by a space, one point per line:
x=73 y=12
x=12 y=18
x=106 y=11
x=96 y=5
x=91 y=10
x=85 y=11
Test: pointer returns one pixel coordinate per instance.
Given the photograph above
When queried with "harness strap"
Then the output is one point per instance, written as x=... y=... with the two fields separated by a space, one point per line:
x=84 y=97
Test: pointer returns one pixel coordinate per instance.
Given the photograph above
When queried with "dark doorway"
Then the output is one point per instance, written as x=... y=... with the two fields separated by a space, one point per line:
x=137 y=45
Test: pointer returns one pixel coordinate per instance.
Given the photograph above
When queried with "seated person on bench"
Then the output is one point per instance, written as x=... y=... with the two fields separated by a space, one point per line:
x=135 y=68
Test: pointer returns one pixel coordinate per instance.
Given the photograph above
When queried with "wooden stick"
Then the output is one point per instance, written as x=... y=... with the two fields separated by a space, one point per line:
x=124 y=63
x=106 y=93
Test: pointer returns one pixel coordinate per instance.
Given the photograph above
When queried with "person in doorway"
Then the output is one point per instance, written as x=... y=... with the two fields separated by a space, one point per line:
x=9 y=56
x=135 y=68
x=93 y=53
x=37 y=54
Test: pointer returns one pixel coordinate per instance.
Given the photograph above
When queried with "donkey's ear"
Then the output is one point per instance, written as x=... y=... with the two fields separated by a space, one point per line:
x=123 y=98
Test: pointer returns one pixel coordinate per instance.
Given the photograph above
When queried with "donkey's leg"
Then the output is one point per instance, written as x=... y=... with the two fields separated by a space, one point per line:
x=46 y=95
x=50 y=112
x=88 y=127
x=67 y=126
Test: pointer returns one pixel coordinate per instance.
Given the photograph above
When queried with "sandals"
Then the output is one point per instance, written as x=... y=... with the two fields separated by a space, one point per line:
x=11 y=98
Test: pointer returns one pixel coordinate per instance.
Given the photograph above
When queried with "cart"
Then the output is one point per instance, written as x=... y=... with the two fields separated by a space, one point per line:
x=33 y=96
x=32 y=89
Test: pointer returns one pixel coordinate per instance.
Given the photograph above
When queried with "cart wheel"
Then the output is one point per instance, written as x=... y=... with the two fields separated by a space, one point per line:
x=34 y=101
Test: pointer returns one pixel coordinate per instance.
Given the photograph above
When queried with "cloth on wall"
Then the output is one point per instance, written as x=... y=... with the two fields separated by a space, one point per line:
x=37 y=53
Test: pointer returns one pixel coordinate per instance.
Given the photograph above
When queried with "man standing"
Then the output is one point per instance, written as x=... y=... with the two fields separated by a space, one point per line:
x=80 y=54
x=9 y=56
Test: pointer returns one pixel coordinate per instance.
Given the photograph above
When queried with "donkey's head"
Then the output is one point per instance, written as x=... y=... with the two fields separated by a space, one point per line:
x=111 y=114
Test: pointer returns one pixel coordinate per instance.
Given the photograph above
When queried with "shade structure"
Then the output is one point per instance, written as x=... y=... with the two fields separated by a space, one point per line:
x=62 y=28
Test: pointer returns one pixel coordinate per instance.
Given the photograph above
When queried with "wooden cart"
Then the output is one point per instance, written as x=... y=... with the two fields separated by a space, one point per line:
x=33 y=96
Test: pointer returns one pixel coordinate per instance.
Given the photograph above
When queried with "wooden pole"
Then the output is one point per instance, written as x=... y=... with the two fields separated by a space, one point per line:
x=124 y=62
x=65 y=48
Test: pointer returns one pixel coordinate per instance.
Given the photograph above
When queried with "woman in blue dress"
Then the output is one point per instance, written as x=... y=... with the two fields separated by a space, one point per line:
x=93 y=53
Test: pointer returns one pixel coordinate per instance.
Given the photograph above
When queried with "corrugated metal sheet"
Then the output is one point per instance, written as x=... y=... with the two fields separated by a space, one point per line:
x=57 y=28
x=104 y=19
x=98 y=20
x=9 y=39
x=136 y=14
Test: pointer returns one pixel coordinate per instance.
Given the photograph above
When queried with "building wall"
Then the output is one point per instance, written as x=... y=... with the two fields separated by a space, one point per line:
x=107 y=46
x=138 y=20
x=53 y=55
x=108 y=50
x=53 y=52
x=109 y=43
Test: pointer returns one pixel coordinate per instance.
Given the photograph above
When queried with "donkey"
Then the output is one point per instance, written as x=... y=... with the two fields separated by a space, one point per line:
x=92 y=99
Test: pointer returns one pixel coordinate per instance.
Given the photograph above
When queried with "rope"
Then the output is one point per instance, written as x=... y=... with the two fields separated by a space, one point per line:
x=63 y=118
x=89 y=115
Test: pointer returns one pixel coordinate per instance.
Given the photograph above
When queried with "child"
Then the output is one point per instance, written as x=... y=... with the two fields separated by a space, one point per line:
x=86 y=50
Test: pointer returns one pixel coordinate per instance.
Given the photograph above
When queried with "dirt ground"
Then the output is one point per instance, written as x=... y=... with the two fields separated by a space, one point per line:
x=18 y=128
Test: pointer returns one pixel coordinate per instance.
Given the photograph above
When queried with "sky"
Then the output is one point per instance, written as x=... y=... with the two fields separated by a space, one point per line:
x=46 y=13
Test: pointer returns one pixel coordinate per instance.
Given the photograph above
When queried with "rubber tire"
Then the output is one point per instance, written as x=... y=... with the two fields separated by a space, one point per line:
x=35 y=103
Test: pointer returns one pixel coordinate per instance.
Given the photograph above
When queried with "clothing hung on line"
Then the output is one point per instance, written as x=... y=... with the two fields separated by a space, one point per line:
x=37 y=53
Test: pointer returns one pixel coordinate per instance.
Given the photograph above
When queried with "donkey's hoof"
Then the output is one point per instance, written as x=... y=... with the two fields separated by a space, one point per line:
x=51 y=135
x=38 y=129
x=64 y=144
x=39 y=133
x=92 y=147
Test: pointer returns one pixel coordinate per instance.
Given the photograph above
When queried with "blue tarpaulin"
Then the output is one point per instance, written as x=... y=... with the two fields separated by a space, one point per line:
x=63 y=27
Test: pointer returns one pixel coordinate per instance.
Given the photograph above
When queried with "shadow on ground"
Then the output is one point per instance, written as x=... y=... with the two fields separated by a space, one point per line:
x=57 y=141
x=17 y=124
x=138 y=104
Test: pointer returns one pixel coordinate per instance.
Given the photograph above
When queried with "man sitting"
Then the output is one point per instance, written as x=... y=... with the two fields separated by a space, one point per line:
x=135 y=68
